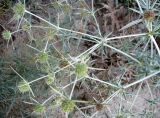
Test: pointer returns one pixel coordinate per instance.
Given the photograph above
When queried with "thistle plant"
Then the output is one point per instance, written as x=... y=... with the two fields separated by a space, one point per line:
x=66 y=68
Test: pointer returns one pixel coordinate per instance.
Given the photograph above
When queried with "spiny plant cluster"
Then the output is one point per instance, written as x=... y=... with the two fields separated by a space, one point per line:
x=60 y=70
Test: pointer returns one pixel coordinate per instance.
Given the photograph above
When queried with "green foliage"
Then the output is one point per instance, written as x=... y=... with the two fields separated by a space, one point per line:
x=10 y=95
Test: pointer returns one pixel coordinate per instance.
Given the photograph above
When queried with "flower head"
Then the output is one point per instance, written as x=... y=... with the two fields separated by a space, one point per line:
x=50 y=79
x=81 y=70
x=57 y=101
x=39 y=108
x=67 y=106
x=43 y=57
x=6 y=35
x=19 y=10
x=51 y=34
x=24 y=87
x=26 y=27
x=149 y=15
